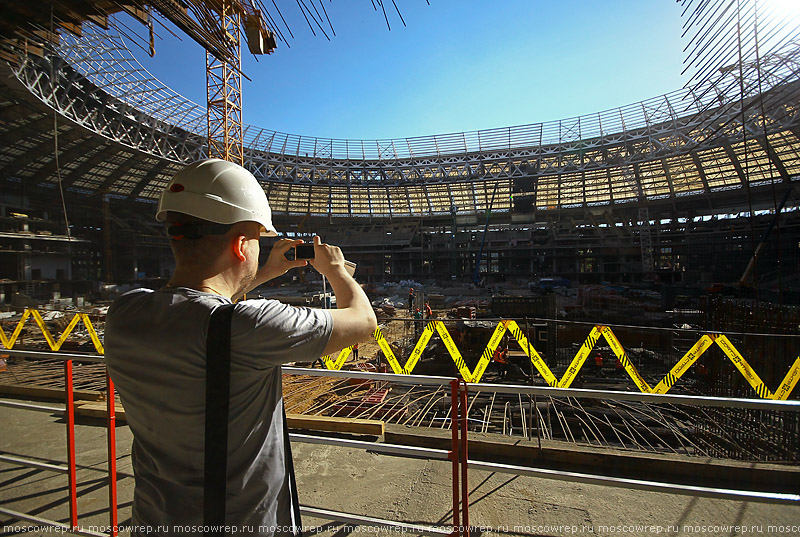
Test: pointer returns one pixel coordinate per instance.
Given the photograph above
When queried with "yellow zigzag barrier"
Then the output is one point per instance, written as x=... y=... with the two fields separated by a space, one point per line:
x=706 y=341
x=8 y=342
x=340 y=360
x=703 y=344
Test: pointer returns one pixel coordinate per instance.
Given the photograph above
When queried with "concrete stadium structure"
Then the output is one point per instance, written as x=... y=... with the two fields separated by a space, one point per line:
x=679 y=188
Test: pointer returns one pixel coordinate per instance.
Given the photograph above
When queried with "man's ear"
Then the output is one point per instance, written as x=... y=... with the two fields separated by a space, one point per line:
x=237 y=246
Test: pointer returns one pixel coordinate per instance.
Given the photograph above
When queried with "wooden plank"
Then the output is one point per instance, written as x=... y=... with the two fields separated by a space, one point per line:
x=97 y=410
x=56 y=394
x=335 y=424
x=135 y=12
x=100 y=20
x=295 y=421
x=74 y=28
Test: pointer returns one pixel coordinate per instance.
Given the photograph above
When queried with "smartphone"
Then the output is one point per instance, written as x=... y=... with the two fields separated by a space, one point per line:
x=304 y=251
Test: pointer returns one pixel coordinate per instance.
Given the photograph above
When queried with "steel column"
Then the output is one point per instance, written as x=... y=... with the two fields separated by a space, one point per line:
x=464 y=455
x=454 y=453
x=112 y=454
x=71 y=473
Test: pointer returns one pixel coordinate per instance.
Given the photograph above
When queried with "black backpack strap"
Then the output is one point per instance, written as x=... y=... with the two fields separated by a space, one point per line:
x=218 y=372
x=297 y=525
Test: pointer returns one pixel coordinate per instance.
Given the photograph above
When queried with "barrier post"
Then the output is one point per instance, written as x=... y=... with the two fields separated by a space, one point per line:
x=464 y=456
x=454 y=454
x=112 y=454
x=71 y=472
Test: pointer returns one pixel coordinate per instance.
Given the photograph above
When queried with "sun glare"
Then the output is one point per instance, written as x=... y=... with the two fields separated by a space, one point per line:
x=779 y=22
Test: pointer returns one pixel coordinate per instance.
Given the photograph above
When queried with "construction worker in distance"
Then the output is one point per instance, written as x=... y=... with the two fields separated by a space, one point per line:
x=428 y=311
x=598 y=361
x=500 y=355
x=155 y=346
x=411 y=300
x=417 y=322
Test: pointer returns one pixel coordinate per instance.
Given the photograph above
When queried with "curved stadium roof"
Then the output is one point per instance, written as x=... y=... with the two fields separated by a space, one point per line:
x=123 y=132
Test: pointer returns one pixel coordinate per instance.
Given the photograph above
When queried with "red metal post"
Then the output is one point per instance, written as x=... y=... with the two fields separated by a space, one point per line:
x=454 y=454
x=70 y=413
x=463 y=456
x=112 y=454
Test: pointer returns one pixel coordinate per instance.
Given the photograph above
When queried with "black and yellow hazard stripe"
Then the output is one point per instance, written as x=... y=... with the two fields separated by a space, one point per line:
x=419 y=347
x=9 y=341
x=677 y=371
x=453 y=350
x=387 y=352
x=744 y=368
x=789 y=382
x=616 y=346
x=378 y=334
x=532 y=353
x=592 y=338
x=488 y=352
x=762 y=391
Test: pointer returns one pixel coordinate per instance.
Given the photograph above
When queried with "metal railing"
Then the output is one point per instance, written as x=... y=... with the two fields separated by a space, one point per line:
x=70 y=468
x=658 y=486
x=458 y=453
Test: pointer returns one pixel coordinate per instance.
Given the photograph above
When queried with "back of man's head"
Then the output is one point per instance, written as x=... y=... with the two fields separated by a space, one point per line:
x=195 y=242
x=216 y=191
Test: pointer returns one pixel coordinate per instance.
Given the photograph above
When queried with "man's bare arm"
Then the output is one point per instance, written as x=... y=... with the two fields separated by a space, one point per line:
x=353 y=319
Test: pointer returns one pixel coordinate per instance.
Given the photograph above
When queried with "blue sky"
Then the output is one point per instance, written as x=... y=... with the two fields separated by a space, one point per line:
x=457 y=65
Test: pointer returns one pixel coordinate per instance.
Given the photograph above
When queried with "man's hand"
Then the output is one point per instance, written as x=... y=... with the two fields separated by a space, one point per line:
x=277 y=264
x=353 y=318
x=328 y=259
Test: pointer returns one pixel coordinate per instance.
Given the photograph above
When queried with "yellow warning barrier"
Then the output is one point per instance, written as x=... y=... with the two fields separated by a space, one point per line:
x=580 y=358
x=387 y=351
x=744 y=368
x=8 y=342
x=340 y=360
x=453 y=350
x=533 y=354
x=419 y=347
x=615 y=345
x=789 y=382
x=486 y=357
x=705 y=342
x=683 y=365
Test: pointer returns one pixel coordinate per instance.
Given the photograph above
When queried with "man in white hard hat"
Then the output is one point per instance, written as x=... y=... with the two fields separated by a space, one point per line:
x=156 y=350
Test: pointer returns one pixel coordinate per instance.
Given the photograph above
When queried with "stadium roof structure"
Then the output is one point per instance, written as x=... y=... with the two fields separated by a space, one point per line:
x=731 y=142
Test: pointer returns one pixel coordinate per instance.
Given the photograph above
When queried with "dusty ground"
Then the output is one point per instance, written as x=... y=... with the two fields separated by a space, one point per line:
x=413 y=491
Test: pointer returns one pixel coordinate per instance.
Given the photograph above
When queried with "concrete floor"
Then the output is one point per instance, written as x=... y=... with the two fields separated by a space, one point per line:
x=414 y=491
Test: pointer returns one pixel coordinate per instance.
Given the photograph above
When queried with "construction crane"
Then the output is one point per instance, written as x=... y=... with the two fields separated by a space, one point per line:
x=224 y=75
x=216 y=25
x=221 y=26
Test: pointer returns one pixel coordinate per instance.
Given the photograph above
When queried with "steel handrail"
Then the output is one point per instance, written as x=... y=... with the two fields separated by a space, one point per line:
x=612 y=395
x=456 y=453
x=639 y=484
x=71 y=468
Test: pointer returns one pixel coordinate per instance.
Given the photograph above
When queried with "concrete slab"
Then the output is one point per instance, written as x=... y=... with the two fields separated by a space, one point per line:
x=357 y=481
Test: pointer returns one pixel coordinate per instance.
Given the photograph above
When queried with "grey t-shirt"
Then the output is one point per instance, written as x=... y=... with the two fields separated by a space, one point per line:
x=155 y=345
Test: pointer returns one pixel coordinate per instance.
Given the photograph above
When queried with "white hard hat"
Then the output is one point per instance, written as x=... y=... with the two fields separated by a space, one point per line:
x=218 y=191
